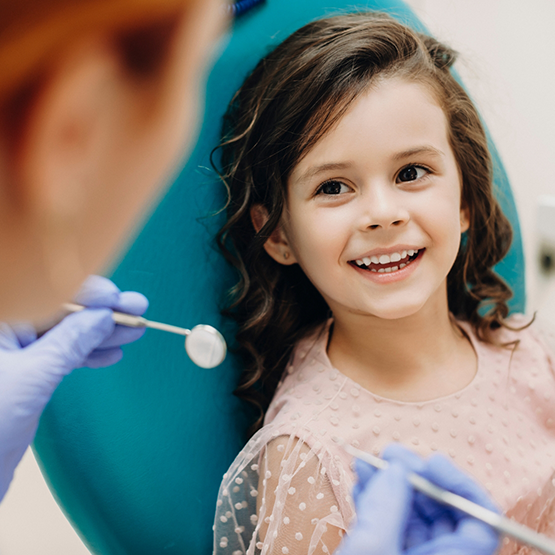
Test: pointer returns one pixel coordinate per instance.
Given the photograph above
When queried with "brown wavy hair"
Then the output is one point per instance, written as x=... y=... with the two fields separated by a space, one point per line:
x=290 y=100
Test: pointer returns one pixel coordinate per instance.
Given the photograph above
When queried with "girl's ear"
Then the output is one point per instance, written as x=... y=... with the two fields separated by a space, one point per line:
x=465 y=219
x=277 y=245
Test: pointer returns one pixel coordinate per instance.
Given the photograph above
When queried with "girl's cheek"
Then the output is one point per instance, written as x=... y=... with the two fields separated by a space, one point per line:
x=330 y=229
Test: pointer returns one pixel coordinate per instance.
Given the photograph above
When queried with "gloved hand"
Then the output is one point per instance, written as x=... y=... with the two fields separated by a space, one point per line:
x=31 y=368
x=393 y=519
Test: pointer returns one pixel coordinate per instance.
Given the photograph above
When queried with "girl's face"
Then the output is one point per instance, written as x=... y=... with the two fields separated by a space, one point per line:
x=374 y=214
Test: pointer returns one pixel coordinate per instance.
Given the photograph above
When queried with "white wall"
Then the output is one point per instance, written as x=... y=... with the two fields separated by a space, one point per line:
x=30 y=521
x=508 y=63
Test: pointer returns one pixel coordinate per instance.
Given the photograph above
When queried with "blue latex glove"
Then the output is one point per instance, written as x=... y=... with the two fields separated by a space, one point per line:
x=393 y=519
x=31 y=368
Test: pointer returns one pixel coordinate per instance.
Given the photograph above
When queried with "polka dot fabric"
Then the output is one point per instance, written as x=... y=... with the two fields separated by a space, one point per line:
x=288 y=491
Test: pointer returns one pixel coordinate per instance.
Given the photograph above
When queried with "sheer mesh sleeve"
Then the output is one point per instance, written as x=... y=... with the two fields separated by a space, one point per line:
x=298 y=509
x=278 y=498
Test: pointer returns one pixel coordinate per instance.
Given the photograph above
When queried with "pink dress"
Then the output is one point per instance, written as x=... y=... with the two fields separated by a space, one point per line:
x=289 y=490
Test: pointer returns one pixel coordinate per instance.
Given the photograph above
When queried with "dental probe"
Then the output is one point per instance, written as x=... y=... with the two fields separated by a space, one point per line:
x=132 y=321
x=499 y=523
x=204 y=344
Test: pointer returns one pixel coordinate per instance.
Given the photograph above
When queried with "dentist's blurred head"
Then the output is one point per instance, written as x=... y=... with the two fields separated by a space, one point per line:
x=99 y=100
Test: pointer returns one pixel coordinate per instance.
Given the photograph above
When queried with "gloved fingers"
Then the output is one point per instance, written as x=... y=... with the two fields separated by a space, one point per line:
x=382 y=514
x=386 y=499
x=439 y=470
x=364 y=472
x=417 y=531
x=122 y=336
x=98 y=291
x=101 y=359
x=472 y=529
x=131 y=302
x=396 y=451
x=443 y=524
x=431 y=511
x=68 y=344
x=443 y=473
x=481 y=541
x=25 y=332
x=421 y=528
x=8 y=338
x=393 y=451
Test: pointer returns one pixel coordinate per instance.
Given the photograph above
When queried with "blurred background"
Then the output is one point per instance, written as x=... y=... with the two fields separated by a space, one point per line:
x=507 y=62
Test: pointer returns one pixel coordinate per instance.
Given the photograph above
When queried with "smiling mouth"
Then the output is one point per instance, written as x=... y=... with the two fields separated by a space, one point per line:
x=387 y=263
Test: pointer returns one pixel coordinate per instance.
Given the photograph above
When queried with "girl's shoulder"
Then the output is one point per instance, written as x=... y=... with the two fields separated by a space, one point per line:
x=520 y=330
x=528 y=340
x=544 y=329
x=529 y=333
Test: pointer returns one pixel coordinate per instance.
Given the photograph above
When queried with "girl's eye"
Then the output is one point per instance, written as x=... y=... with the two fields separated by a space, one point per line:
x=332 y=188
x=411 y=173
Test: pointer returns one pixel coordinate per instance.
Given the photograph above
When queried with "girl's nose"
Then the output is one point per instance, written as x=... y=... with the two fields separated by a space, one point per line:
x=384 y=209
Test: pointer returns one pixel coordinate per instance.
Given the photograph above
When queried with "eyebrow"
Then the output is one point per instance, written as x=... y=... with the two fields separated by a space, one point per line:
x=311 y=172
x=425 y=149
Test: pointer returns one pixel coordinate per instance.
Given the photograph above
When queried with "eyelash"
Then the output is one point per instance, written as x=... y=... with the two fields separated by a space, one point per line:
x=319 y=191
x=417 y=166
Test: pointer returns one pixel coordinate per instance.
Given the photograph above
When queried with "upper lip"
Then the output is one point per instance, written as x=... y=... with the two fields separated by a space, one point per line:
x=388 y=251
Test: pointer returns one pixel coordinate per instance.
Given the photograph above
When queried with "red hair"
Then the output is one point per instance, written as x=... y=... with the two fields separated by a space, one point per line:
x=34 y=32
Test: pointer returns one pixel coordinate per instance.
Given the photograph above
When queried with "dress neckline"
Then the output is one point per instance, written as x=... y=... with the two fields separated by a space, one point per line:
x=466 y=329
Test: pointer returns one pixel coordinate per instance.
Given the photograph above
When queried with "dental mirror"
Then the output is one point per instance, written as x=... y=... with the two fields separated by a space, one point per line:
x=204 y=344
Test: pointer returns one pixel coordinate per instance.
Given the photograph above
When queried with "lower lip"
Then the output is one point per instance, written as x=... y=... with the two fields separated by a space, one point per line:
x=391 y=277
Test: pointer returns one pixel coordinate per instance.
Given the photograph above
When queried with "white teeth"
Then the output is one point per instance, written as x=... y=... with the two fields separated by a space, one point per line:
x=372 y=270
x=386 y=259
x=381 y=270
x=394 y=268
x=387 y=270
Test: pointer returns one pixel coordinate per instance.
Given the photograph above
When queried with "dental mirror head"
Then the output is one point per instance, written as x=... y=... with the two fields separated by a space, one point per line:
x=205 y=346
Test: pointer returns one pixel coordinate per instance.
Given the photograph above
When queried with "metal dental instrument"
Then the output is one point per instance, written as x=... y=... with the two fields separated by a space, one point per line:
x=499 y=523
x=204 y=344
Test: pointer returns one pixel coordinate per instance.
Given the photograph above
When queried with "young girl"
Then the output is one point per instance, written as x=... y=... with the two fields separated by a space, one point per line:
x=364 y=227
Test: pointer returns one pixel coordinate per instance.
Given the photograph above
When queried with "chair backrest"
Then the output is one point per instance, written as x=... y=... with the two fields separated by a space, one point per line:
x=134 y=453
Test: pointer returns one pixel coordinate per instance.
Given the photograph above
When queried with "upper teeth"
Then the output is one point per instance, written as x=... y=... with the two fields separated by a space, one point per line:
x=385 y=258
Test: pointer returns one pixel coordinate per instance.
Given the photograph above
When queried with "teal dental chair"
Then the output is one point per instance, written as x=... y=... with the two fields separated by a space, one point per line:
x=134 y=454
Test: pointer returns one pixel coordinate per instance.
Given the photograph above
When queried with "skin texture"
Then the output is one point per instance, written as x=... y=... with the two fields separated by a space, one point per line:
x=96 y=149
x=391 y=183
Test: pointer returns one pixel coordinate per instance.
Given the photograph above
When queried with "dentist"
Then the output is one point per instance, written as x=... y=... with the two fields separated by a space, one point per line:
x=97 y=100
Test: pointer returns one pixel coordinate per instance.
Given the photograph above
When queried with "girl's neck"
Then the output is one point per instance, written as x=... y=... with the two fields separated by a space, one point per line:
x=417 y=358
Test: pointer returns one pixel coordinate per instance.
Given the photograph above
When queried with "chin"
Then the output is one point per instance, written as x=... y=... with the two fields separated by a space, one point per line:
x=397 y=312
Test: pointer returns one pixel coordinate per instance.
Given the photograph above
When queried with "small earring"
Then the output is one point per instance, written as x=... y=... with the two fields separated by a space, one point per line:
x=286 y=255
